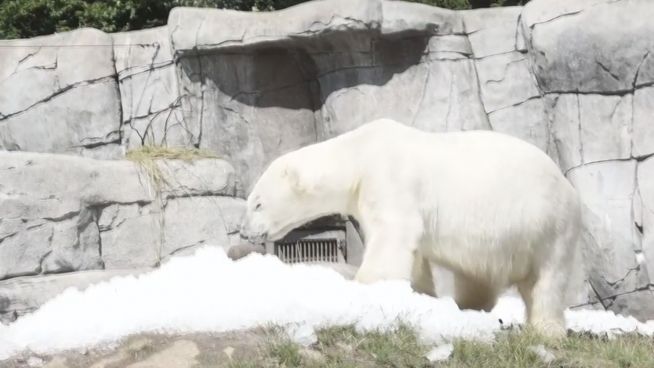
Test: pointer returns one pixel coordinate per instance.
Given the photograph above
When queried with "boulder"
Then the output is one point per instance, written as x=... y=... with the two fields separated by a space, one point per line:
x=61 y=213
x=525 y=121
x=22 y=295
x=493 y=31
x=262 y=84
x=46 y=88
x=193 y=29
x=643 y=128
x=149 y=93
x=506 y=80
x=590 y=46
x=644 y=212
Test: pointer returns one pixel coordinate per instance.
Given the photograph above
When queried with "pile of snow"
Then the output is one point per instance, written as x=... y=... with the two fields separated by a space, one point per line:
x=208 y=292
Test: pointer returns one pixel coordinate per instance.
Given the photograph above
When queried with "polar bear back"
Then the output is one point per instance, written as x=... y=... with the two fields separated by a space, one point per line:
x=477 y=192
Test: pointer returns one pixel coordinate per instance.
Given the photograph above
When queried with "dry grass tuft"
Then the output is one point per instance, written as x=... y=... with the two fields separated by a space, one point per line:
x=168 y=153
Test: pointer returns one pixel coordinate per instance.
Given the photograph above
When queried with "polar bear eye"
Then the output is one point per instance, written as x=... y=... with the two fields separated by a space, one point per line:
x=257 y=207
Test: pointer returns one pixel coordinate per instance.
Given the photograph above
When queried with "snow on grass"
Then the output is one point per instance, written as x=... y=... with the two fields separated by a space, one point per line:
x=208 y=292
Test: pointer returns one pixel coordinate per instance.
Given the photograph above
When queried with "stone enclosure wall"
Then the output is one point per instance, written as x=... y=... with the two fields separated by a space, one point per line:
x=574 y=78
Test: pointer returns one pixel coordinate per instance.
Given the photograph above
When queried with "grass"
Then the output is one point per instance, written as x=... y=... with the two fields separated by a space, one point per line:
x=147 y=156
x=144 y=153
x=344 y=347
x=512 y=349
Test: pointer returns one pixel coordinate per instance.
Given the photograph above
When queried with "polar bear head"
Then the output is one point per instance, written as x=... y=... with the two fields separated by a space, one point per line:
x=287 y=195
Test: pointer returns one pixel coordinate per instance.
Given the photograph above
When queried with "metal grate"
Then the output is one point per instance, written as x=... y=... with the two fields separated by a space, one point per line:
x=308 y=250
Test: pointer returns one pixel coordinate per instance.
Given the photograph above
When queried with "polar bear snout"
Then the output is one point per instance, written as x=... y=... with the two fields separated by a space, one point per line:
x=253 y=231
x=253 y=234
x=257 y=238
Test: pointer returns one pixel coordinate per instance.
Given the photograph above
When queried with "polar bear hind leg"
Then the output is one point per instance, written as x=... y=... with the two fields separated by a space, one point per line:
x=544 y=292
x=470 y=293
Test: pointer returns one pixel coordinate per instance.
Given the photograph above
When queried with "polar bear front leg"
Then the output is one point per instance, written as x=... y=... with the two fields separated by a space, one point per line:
x=389 y=255
x=422 y=280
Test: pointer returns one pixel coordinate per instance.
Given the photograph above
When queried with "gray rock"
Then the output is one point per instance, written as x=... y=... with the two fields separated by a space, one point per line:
x=148 y=90
x=637 y=304
x=613 y=252
x=574 y=46
x=505 y=80
x=220 y=216
x=45 y=105
x=160 y=128
x=591 y=128
x=61 y=213
x=450 y=47
x=109 y=151
x=144 y=63
x=428 y=88
x=492 y=31
x=263 y=114
x=200 y=29
x=249 y=137
x=563 y=117
x=605 y=127
x=243 y=250
x=606 y=189
x=74 y=246
x=67 y=122
x=645 y=214
x=524 y=121
x=134 y=241
x=403 y=17
x=643 y=129
x=200 y=177
x=21 y=253
x=32 y=74
x=22 y=295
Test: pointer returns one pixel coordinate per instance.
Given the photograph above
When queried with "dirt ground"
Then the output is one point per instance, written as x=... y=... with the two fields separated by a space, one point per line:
x=154 y=350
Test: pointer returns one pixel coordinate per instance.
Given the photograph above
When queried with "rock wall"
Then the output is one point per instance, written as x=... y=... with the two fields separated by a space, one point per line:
x=574 y=78
x=62 y=214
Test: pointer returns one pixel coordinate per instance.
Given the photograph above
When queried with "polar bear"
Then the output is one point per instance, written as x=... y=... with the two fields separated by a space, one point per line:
x=493 y=209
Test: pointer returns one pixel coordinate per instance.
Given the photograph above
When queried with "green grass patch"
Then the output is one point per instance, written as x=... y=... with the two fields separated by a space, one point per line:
x=344 y=347
x=514 y=349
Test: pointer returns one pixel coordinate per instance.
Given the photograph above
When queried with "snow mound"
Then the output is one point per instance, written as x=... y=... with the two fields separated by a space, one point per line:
x=208 y=292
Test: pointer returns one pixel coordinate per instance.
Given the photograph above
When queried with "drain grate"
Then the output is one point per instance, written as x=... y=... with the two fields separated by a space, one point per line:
x=330 y=239
x=308 y=250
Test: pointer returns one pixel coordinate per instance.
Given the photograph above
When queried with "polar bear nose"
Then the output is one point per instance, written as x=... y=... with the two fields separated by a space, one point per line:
x=259 y=238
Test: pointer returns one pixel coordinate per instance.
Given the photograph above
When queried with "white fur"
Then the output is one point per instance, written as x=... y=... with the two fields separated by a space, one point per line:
x=491 y=208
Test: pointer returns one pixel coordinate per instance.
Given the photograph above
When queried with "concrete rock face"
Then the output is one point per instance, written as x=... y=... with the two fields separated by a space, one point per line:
x=60 y=214
x=149 y=92
x=575 y=79
x=47 y=85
